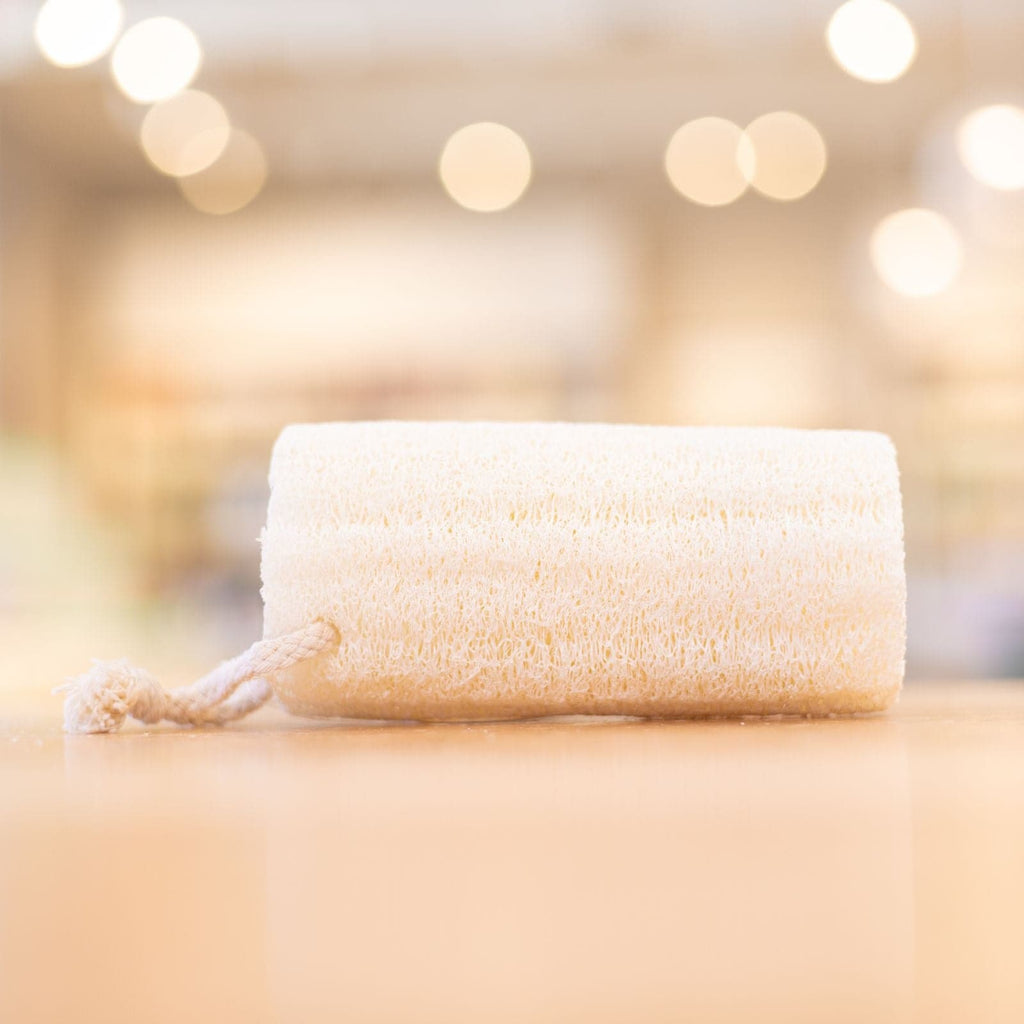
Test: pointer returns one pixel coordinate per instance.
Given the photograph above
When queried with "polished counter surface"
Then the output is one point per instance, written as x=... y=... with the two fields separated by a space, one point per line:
x=866 y=869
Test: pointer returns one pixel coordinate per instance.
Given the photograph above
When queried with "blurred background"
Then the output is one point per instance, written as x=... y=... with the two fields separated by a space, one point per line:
x=220 y=217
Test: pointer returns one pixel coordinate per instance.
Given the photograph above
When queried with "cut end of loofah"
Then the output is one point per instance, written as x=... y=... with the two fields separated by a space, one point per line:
x=99 y=700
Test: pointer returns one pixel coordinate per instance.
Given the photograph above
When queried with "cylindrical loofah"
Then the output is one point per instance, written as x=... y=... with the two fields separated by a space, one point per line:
x=494 y=570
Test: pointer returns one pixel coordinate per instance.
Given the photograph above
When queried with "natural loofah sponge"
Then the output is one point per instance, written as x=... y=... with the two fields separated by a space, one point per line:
x=490 y=570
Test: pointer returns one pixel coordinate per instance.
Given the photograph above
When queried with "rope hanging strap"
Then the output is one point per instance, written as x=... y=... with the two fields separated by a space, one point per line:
x=101 y=699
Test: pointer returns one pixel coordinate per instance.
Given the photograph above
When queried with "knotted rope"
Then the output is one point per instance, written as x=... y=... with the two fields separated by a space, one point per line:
x=101 y=699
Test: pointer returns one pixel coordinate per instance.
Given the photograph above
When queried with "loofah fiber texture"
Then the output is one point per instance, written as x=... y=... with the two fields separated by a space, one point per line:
x=495 y=570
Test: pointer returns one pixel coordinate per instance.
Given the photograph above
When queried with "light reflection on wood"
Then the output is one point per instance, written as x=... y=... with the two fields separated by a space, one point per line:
x=844 y=870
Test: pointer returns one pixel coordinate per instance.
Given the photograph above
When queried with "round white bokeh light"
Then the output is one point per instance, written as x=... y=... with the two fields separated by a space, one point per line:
x=872 y=40
x=485 y=167
x=71 y=33
x=916 y=252
x=991 y=145
x=155 y=59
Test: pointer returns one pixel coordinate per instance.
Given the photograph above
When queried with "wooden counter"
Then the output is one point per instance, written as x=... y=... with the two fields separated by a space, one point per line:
x=863 y=870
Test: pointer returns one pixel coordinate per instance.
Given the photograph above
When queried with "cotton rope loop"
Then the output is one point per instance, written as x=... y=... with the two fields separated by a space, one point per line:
x=111 y=691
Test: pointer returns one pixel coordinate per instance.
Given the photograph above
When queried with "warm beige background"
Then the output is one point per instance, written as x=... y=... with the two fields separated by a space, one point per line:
x=150 y=353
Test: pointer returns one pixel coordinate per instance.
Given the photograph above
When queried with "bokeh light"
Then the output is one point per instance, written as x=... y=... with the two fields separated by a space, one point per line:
x=710 y=161
x=789 y=155
x=155 y=59
x=991 y=145
x=872 y=40
x=185 y=134
x=485 y=167
x=916 y=252
x=233 y=181
x=71 y=33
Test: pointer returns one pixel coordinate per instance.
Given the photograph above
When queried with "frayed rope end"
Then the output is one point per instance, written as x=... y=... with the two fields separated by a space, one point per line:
x=102 y=698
